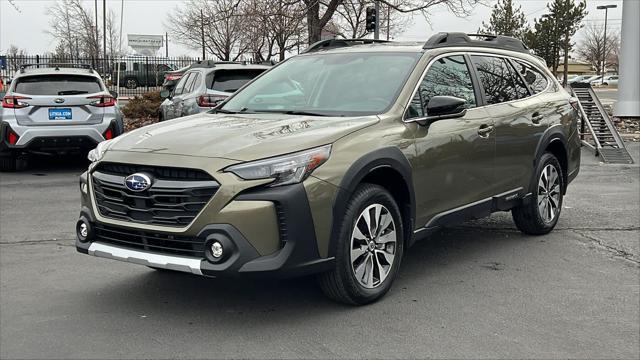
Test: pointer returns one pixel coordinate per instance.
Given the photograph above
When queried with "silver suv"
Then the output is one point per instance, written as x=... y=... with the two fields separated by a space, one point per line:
x=55 y=110
x=204 y=87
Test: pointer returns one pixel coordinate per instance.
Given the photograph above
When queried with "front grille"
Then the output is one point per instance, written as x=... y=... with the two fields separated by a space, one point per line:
x=169 y=201
x=150 y=241
x=158 y=172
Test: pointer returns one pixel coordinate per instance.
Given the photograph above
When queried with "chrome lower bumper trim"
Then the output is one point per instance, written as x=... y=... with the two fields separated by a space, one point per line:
x=178 y=263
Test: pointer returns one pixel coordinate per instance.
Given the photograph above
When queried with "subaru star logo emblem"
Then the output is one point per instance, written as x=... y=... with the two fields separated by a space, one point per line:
x=137 y=182
x=59 y=100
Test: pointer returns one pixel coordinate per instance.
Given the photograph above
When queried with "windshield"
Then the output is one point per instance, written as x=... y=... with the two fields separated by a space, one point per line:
x=338 y=84
x=57 y=85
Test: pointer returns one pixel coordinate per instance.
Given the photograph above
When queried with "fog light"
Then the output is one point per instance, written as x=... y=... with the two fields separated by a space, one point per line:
x=216 y=249
x=83 y=230
x=83 y=188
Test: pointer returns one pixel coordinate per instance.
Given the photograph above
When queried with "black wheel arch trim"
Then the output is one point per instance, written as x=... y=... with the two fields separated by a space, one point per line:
x=388 y=157
x=551 y=135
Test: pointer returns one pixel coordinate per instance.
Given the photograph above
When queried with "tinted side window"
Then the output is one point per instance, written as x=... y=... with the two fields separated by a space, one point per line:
x=497 y=79
x=447 y=76
x=180 y=86
x=521 y=89
x=195 y=83
x=534 y=78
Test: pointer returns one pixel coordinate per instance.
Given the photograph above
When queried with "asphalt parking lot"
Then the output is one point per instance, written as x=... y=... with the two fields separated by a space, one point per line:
x=478 y=290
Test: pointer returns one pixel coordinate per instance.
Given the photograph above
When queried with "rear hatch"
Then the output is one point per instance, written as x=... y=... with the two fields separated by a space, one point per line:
x=224 y=82
x=59 y=99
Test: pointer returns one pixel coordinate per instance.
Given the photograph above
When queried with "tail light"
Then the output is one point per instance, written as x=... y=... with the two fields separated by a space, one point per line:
x=575 y=104
x=102 y=101
x=14 y=102
x=172 y=76
x=210 y=100
x=108 y=135
x=12 y=138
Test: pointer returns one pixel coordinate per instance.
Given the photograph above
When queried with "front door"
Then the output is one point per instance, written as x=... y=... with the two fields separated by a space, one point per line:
x=454 y=163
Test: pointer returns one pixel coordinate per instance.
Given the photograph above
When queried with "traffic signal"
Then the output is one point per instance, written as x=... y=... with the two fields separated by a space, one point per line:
x=371 y=19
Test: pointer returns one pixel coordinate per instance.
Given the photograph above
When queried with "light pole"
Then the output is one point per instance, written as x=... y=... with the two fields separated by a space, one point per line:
x=604 y=42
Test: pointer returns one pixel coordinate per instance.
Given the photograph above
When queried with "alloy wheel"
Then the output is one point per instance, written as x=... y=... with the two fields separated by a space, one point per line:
x=549 y=193
x=373 y=246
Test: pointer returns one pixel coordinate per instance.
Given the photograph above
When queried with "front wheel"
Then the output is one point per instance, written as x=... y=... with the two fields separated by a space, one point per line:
x=370 y=248
x=540 y=215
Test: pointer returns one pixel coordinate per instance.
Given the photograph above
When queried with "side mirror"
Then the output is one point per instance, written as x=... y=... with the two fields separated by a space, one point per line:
x=114 y=94
x=445 y=107
x=165 y=94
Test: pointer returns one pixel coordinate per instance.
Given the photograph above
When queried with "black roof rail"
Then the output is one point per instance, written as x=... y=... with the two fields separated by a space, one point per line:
x=338 y=43
x=213 y=63
x=451 y=39
x=57 y=66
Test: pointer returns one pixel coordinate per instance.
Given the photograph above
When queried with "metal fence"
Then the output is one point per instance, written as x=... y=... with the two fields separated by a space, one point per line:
x=137 y=74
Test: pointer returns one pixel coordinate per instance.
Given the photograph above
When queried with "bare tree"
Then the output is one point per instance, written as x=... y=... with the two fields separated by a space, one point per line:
x=113 y=35
x=219 y=22
x=592 y=47
x=16 y=57
x=351 y=19
x=317 y=22
x=74 y=25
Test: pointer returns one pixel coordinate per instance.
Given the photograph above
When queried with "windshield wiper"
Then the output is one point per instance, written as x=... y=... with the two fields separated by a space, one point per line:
x=293 y=112
x=243 y=110
x=72 y=92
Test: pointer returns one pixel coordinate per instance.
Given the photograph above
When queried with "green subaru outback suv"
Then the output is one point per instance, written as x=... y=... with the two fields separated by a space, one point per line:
x=336 y=161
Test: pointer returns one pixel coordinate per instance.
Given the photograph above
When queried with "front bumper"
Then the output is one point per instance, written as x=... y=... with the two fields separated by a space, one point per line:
x=297 y=253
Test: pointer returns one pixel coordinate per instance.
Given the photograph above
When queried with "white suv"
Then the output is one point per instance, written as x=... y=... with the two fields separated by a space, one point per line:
x=55 y=110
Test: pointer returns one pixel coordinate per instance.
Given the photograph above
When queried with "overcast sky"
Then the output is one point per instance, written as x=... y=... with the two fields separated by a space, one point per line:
x=26 y=27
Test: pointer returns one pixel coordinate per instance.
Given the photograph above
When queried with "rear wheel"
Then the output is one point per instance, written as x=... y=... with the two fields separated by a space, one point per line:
x=540 y=215
x=370 y=248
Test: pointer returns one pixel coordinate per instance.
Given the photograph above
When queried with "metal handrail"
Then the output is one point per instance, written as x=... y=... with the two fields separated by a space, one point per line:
x=585 y=120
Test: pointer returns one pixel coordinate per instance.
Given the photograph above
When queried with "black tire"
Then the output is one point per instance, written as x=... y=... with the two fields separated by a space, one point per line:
x=7 y=163
x=341 y=284
x=528 y=217
x=131 y=83
x=11 y=162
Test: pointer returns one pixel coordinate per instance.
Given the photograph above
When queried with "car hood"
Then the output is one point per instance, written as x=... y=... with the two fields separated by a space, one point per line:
x=241 y=137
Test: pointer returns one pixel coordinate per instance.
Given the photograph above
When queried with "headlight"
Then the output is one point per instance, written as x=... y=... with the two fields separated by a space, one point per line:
x=286 y=169
x=97 y=153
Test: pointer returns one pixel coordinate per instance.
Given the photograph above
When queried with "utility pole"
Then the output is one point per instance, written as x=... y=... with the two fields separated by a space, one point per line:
x=104 y=28
x=202 y=32
x=376 y=31
x=95 y=8
x=388 y=20
x=604 y=42
x=166 y=44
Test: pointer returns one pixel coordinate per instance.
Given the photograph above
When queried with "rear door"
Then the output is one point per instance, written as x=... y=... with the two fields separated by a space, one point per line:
x=58 y=99
x=520 y=119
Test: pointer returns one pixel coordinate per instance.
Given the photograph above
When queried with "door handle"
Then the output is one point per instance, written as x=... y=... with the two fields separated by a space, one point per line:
x=484 y=130
x=537 y=117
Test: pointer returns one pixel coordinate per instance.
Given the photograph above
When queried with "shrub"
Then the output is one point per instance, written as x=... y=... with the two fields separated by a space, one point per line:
x=143 y=107
x=141 y=111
